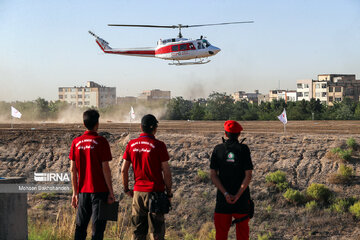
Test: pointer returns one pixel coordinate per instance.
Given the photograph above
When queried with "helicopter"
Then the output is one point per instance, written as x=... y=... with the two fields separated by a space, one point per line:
x=177 y=49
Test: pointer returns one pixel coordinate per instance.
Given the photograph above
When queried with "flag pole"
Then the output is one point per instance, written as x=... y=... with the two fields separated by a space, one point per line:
x=12 y=119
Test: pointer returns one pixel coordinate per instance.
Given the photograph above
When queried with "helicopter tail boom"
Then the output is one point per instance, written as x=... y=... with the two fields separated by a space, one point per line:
x=139 y=52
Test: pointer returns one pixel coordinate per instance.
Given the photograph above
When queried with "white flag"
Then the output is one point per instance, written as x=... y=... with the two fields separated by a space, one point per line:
x=282 y=117
x=15 y=113
x=132 y=114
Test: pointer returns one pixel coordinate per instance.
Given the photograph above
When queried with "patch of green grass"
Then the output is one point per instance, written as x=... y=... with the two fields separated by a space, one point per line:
x=293 y=196
x=355 y=209
x=318 y=192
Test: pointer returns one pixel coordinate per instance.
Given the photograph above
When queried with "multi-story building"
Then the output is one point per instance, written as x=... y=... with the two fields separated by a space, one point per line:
x=342 y=86
x=155 y=95
x=249 y=97
x=93 y=95
x=287 y=95
x=320 y=91
x=329 y=88
x=304 y=89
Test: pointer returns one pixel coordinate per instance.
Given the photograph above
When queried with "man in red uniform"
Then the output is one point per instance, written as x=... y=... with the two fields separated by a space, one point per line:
x=231 y=170
x=90 y=176
x=149 y=159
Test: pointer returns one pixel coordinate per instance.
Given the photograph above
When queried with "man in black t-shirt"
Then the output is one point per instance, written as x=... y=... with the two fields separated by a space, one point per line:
x=231 y=171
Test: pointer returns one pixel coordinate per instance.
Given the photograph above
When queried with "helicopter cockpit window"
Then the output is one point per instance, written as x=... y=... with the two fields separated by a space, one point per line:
x=175 y=48
x=183 y=47
x=200 y=45
x=206 y=43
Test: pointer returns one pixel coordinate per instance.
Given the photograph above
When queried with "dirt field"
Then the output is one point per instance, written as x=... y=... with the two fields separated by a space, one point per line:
x=301 y=153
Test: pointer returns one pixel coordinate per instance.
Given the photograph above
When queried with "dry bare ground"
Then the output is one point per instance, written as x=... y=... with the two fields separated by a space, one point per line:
x=301 y=153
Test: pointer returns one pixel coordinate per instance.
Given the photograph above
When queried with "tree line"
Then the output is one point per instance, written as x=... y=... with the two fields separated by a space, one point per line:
x=220 y=106
x=217 y=106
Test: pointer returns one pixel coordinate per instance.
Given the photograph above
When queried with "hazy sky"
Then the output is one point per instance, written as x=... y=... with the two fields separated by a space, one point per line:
x=46 y=45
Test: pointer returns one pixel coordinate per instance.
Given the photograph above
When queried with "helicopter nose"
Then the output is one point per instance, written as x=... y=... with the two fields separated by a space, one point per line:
x=214 y=50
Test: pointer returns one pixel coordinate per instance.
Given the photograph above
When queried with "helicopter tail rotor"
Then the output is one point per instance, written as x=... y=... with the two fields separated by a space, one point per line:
x=104 y=45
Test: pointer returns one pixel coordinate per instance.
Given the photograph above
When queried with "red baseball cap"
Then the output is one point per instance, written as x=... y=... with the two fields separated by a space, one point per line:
x=232 y=126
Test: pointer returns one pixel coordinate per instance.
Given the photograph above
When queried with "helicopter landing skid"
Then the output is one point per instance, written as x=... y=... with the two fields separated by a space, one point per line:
x=178 y=63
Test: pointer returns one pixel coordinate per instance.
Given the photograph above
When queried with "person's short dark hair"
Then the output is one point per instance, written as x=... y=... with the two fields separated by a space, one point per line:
x=91 y=118
x=232 y=136
x=149 y=123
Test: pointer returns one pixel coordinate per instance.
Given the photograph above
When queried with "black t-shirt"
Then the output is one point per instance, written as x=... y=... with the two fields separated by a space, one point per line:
x=231 y=159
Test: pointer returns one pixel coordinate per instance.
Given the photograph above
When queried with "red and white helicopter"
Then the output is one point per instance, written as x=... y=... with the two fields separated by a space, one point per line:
x=176 y=49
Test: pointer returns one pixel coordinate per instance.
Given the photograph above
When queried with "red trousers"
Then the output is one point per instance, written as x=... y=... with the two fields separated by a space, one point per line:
x=223 y=222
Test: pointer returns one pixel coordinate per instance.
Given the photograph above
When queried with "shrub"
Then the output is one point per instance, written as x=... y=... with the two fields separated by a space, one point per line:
x=351 y=143
x=336 y=150
x=312 y=205
x=265 y=236
x=276 y=177
x=45 y=196
x=203 y=176
x=293 y=196
x=355 y=209
x=342 y=205
x=346 y=171
x=344 y=175
x=345 y=154
x=318 y=192
x=282 y=186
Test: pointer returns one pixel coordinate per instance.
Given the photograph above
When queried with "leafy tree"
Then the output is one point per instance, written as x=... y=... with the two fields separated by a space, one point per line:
x=42 y=108
x=179 y=109
x=219 y=106
x=198 y=111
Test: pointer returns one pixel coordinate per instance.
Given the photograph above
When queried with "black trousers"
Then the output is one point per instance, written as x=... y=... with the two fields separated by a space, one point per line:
x=89 y=207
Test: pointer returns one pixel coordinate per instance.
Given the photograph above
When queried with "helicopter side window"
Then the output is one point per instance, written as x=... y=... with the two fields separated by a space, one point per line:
x=200 y=46
x=183 y=47
x=175 y=48
x=191 y=46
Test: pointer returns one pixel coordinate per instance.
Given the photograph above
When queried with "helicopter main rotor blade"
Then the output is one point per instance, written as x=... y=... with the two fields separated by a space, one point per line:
x=175 y=26
x=150 y=26
x=214 y=24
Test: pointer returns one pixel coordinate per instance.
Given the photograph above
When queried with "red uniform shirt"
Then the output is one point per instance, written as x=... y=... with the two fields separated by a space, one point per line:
x=89 y=151
x=146 y=155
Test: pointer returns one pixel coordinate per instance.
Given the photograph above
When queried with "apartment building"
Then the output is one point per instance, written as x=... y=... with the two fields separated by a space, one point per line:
x=287 y=95
x=92 y=95
x=304 y=89
x=249 y=97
